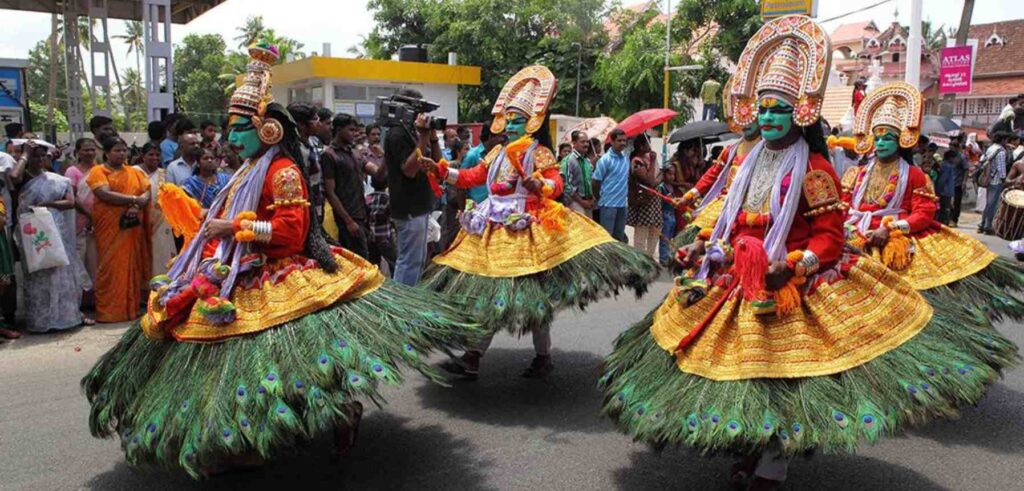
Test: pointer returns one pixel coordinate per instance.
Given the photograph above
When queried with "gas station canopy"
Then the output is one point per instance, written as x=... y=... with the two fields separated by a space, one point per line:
x=182 y=11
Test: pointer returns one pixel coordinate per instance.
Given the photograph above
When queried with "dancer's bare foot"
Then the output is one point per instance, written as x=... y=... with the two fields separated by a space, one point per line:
x=764 y=484
x=346 y=434
x=540 y=367
x=742 y=471
x=467 y=367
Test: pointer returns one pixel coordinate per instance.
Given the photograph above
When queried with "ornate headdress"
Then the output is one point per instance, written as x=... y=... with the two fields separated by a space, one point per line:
x=529 y=92
x=730 y=118
x=897 y=105
x=252 y=97
x=790 y=57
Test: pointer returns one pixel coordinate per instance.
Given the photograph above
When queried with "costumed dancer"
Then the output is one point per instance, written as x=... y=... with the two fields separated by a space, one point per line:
x=521 y=256
x=260 y=336
x=777 y=343
x=892 y=215
x=712 y=188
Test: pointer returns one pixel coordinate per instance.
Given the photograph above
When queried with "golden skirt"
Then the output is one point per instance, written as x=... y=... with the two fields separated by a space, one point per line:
x=301 y=292
x=838 y=327
x=943 y=257
x=708 y=216
x=503 y=253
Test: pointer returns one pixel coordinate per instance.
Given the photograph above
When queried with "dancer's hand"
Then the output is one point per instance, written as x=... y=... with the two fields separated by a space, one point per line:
x=777 y=276
x=219 y=227
x=688 y=255
x=878 y=237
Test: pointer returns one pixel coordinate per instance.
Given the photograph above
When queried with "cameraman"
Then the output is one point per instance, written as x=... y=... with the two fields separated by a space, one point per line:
x=412 y=200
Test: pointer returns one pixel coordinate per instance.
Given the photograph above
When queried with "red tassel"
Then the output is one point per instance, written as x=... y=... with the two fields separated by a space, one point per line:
x=750 y=264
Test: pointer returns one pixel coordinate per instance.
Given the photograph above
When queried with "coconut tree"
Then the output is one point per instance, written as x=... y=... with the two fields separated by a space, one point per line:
x=251 y=31
x=287 y=46
x=134 y=37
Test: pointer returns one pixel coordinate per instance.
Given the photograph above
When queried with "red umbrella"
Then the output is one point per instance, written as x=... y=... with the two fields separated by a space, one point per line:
x=645 y=120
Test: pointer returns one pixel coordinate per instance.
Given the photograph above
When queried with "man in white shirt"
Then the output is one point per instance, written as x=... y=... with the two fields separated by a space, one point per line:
x=181 y=169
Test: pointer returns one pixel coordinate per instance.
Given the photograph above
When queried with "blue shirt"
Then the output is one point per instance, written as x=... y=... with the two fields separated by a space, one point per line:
x=204 y=192
x=167 y=150
x=613 y=173
x=472 y=159
x=946 y=183
x=178 y=172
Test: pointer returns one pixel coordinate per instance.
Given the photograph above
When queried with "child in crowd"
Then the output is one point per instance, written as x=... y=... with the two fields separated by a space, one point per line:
x=382 y=234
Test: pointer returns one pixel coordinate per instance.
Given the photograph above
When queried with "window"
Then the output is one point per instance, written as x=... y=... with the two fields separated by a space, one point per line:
x=994 y=40
x=350 y=92
x=895 y=57
x=374 y=92
x=301 y=95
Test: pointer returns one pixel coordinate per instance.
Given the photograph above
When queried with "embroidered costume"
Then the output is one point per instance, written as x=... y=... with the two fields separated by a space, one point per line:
x=712 y=187
x=521 y=255
x=262 y=336
x=945 y=265
x=777 y=339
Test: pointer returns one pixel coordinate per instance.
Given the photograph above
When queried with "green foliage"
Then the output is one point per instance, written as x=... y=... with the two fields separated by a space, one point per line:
x=633 y=76
x=528 y=32
x=39 y=116
x=199 y=60
x=39 y=77
x=738 y=20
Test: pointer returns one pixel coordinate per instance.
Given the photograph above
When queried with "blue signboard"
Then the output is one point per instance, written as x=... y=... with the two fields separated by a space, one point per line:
x=11 y=78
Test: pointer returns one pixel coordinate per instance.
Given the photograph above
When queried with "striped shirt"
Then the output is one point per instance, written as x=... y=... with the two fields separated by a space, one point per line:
x=613 y=173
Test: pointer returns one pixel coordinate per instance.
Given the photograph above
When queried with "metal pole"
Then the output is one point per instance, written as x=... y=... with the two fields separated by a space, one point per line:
x=947 y=105
x=579 y=61
x=668 y=52
x=913 y=73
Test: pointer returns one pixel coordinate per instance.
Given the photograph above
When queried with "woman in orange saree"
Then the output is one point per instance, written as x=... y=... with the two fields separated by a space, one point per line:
x=122 y=239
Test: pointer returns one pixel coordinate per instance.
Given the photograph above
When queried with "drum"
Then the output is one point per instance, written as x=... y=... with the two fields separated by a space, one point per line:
x=1009 y=221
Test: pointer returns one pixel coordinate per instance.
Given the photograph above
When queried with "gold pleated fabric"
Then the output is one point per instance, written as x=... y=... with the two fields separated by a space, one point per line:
x=943 y=257
x=838 y=327
x=502 y=253
x=300 y=292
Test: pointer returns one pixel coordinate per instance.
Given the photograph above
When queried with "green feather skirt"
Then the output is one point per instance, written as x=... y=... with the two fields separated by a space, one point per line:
x=519 y=303
x=993 y=292
x=190 y=405
x=947 y=365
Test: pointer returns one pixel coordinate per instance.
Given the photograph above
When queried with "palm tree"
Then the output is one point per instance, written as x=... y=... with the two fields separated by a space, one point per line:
x=934 y=37
x=133 y=97
x=250 y=31
x=134 y=38
x=234 y=66
x=287 y=46
x=360 y=50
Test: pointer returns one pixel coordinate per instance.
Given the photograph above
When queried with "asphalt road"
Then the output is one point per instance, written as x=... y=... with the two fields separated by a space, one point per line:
x=501 y=432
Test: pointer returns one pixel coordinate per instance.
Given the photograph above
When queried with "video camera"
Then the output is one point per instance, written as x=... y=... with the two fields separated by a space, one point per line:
x=400 y=110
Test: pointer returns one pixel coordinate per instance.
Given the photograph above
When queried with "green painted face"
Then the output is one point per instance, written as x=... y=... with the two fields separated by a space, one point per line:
x=243 y=135
x=887 y=143
x=775 y=117
x=515 y=127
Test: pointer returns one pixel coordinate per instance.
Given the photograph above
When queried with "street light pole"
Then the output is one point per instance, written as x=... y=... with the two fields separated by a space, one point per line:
x=579 y=61
x=913 y=71
x=668 y=52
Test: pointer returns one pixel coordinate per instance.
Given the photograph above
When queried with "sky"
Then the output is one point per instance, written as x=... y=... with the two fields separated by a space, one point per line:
x=341 y=22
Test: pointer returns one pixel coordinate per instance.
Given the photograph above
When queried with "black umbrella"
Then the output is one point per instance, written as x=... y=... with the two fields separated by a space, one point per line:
x=938 y=124
x=699 y=129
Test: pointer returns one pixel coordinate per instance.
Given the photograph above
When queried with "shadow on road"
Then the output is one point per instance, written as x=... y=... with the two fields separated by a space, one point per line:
x=996 y=424
x=391 y=453
x=567 y=400
x=682 y=469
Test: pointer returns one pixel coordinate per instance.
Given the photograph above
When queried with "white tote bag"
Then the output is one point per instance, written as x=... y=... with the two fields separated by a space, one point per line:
x=41 y=243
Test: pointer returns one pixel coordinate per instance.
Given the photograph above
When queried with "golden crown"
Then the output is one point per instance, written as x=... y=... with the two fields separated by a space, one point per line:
x=898 y=105
x=783 y=72
x=529 y=91
x=252 y=96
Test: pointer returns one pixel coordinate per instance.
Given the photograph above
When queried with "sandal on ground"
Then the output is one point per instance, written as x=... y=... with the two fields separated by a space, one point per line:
x=9 y=333
x=88 y=321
